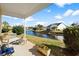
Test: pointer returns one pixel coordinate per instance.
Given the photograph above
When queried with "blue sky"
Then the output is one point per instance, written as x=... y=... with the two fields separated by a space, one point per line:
x=55 y=12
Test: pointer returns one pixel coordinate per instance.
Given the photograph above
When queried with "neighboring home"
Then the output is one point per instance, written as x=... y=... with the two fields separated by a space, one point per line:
x=56 y=27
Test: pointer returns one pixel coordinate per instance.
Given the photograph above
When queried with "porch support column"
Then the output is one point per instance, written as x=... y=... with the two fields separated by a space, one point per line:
x=24 y=29
x=0 y=20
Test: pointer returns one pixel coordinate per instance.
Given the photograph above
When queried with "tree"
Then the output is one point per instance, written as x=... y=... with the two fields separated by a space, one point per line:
x=71 y=39
x=18 y=30
x=34 y=29
x=74 y=24
x=5 y=24
x=5 y=27
x=40 y=27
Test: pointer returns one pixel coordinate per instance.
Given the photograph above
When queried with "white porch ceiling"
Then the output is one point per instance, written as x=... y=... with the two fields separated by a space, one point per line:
x=21 y=10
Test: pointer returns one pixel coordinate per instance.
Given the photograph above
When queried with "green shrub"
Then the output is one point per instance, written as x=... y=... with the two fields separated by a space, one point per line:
x=5 y=30
x=18 y=30
x=71 y=37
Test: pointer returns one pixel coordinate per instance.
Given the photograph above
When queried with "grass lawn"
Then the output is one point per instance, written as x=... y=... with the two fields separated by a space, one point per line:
x=39 y=40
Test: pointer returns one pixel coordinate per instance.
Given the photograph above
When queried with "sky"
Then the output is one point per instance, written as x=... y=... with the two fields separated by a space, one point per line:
x=66 y=13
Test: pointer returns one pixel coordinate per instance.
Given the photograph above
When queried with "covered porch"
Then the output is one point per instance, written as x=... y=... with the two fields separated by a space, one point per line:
x=21 y=11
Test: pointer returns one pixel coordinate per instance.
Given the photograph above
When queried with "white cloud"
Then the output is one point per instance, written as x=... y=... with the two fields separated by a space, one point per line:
x=75 y=13
x=71 y=13
x=68 y=13
x=15 y=18
x=29 y=19
x=58 y=17
x=49 y=11
x=10 y=17
x=62 y=4
x=42 y=23
x=16 y=24
x=60 y=21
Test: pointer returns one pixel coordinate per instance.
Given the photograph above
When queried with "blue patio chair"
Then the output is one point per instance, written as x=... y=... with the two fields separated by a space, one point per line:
x=9 y=51
x=6 y=50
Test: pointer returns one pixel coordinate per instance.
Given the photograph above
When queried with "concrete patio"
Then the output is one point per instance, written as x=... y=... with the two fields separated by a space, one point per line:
x=26 y=49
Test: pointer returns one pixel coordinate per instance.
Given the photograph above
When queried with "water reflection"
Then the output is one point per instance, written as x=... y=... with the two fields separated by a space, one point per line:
x=60 y=37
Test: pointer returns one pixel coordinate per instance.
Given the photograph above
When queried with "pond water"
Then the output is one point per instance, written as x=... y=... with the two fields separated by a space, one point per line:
x=59 y=37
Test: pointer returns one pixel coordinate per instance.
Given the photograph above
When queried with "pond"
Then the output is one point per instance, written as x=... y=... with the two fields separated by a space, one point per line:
x=30 y=32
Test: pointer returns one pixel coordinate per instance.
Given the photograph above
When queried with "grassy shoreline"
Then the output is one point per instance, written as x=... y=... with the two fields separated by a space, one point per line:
x=40 y=40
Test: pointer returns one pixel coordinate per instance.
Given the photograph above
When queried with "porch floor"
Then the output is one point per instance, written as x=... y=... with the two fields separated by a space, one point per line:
x=26 y=49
